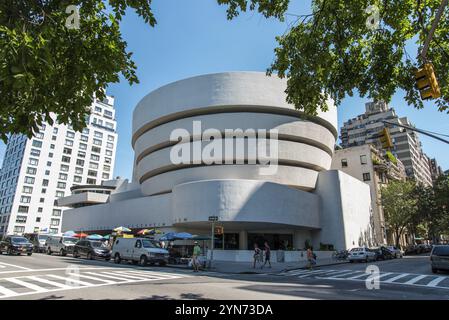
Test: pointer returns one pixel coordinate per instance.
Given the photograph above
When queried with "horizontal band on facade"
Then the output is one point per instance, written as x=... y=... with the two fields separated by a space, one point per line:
x=231 y=109
x=281 y=137
x=173 y=167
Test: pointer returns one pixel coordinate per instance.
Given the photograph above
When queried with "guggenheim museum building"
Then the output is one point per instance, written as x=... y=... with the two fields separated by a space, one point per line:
x=189 y=165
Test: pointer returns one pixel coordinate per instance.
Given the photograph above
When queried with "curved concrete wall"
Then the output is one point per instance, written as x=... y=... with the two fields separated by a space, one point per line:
x=232 y=100
x=248 y=202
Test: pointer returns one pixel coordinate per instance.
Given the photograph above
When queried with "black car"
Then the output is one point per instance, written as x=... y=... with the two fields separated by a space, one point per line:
x=383 y=253
x=16 y=245
x=91 y=250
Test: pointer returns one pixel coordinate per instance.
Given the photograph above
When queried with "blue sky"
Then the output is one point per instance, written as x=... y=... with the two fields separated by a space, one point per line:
x=194 y=37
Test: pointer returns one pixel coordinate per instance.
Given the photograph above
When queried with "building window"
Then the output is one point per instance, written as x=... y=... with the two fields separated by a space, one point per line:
x=64 y=168
x=84 y=138
x=31 y=170
x=79 y=162
x=19 y=229
x=55 y=130
x=47 y=172
x=35 y=152
x=344 y=163
x=86 y=130
x=21 y=219
x=70 y=134
x=33 y=162
x=363 y=159
x=65 y=159
x=105 y=176
x=29 y=180
x=79 y=170
x=27 y=189
x=81 y=154
x=37 y=144
x=48 y=163
x=96 y=149
x=41 y=200
x=63 y=176
x=94 y=157
x=108 y=113
x=23 y=209
x=107 y=160
x=61 y=185
x=68 y=142
x=98 y=134
x=38 y=219
x=59 y=194
x=50 y=155
x=54 y=230
x=91 y=181
x=45 y=183
x=40 y=209
x=93 y=165
x=52 y=146
x=108 y=152
x=44 y=190
x=57 y=212
x=110 y=138
x=106 y=168
x=25 y=199
x=67 y=151
x=92 y=173
x=110 y=145
x=366 y=176
x=77 y=179
x=83 y=146
x=97 y=142
x=53 y=138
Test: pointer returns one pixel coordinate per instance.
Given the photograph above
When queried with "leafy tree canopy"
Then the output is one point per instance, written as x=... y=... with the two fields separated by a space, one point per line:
x=48 y=67
x=346 y=45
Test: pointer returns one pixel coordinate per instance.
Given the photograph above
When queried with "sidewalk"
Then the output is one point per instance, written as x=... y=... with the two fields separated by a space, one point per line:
x=247 y=267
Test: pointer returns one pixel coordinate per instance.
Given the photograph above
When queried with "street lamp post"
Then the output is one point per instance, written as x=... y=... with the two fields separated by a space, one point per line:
x=212 y=219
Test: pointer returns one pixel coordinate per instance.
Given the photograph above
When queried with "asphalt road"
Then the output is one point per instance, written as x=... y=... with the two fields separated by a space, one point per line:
x=53 y=277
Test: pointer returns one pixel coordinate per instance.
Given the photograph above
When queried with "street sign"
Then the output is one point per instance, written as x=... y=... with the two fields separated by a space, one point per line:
x=213 y=218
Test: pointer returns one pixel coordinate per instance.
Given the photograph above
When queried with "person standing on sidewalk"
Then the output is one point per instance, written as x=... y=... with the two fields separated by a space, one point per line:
x=267 y=255
x=256 y=256
x=195 y=257
x=311 y=258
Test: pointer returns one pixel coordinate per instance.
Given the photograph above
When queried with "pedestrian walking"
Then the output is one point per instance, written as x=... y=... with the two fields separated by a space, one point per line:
x=195 y=257
x=257 y=254
x=311 y=258
x=267 y=255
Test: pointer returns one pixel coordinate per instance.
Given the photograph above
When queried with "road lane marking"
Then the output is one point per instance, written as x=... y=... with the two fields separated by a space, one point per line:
x=2 y=266
x=95 y=278
x=56 y=269
x=140 y=276
x=359 y=276
x=15 y=266
x=415 y=279
x=6 y=292
x=26 y=284
x=333 y=274
x=402 y=275
x=71 y=279
x=111 y=277
x=123 y=276
x=52 y=283
x=159 y=274
x=436 y=281
x=346 y=274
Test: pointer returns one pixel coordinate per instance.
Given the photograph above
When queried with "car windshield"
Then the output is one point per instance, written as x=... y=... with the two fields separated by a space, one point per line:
x=96 y=244
x=150 y=244
x=69 y=240
x=441 y=251
x=19 y=240
x=42 y=238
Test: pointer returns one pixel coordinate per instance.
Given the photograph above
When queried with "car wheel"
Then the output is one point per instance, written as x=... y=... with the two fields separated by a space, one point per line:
x=107 y=259
x=143 y=260
x=75 y=254
x=62 y=253
x=162 y=263
x=29 y=253
x=89 y=256
x=434 y=270
x=134 y=262
x=49 y=251
x=117 y=258
x=10 y=253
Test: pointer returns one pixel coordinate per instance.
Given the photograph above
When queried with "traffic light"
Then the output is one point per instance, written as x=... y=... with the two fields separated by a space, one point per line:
x=218 y=230
x=385 y=139
x=427 y=83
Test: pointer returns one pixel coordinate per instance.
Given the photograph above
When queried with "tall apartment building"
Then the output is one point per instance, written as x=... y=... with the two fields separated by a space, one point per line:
x=38 y=171
x=369 y=165
x=435 y=169
x=365 y=128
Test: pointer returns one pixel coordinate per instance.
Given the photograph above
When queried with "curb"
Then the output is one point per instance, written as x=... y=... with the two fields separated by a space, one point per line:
x=317 y=266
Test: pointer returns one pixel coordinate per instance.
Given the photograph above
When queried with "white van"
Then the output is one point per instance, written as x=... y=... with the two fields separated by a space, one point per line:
x=139 y=250
x=60 y=244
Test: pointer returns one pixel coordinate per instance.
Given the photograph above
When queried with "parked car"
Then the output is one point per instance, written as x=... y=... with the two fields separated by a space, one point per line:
x=60 y=244
x=439 y=258
x=361 y=254
x=139 y=250
x=16 y=245
x=382 y=253
x=396 y=251
x=38 y=241
x=91 y=249
x=410 y=249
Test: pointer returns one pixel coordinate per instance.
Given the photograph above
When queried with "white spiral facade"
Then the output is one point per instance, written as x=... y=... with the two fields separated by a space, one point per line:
x=231 y=100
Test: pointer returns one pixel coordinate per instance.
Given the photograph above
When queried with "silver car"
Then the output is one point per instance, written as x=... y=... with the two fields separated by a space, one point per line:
x=361 y=254
x=439 y=258
x=396 y=251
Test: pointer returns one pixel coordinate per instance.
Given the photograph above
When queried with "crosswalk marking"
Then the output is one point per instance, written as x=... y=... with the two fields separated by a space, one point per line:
x=403 y=275
x=358 y=275
x=117 y=278
x=6 y=292
x=141 y=275
x=436 y=281
x=71 y=279
x=120 y=276
x=25 y=284
x=160 y=274
x=96 y=278
x=415 y=279
x=52 y=283
x=14 y=266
